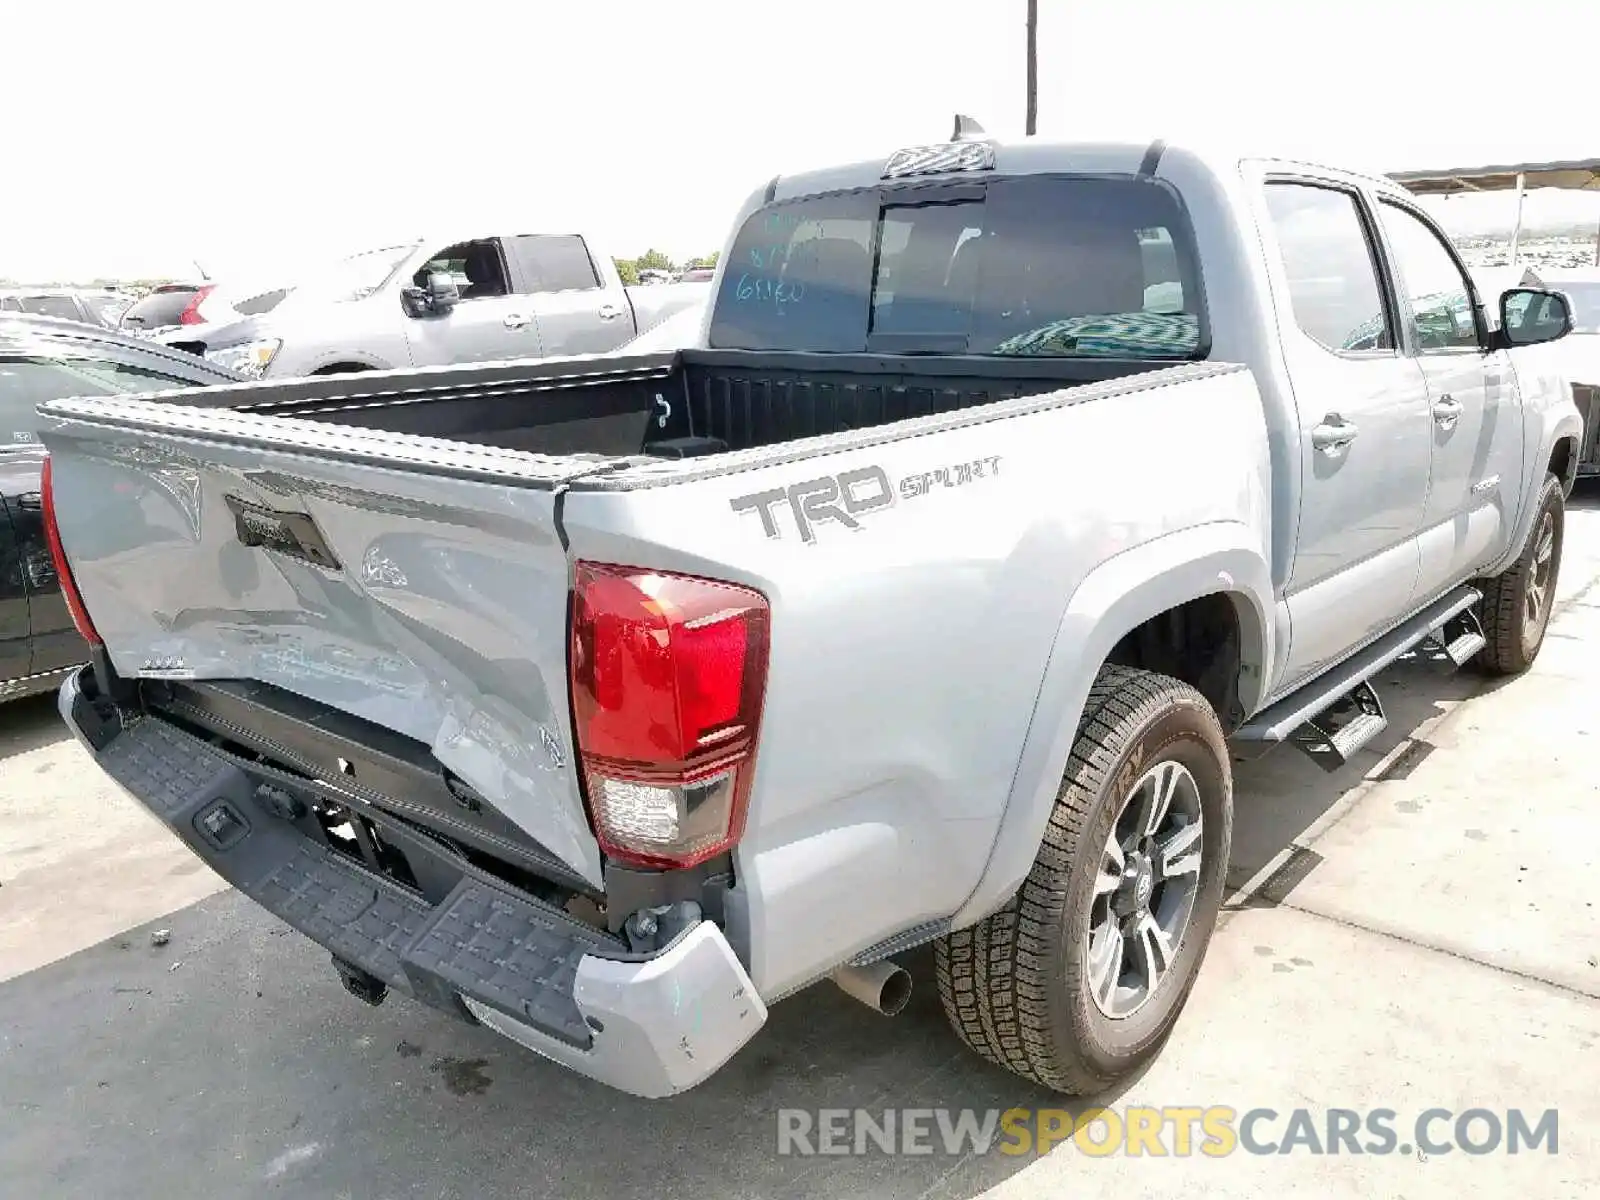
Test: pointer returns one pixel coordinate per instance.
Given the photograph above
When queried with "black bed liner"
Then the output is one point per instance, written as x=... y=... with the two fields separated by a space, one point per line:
x=692 y=402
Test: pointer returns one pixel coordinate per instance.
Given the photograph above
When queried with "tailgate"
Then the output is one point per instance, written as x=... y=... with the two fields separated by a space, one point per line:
x=416 y=583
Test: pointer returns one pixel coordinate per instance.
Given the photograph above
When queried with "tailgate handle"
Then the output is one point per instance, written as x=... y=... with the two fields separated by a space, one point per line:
x=291 y=533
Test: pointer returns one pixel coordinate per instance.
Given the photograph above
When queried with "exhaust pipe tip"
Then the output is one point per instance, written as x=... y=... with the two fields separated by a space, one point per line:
x=881 y=986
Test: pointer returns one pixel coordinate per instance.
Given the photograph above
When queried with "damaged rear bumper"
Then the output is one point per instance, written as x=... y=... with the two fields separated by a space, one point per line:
x=652 y=1025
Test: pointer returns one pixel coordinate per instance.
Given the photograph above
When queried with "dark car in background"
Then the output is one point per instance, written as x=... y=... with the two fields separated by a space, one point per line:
x=92 y=306
x=47 y=359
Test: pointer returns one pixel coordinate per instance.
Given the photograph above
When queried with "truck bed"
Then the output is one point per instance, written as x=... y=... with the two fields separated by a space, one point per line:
x=676 y=405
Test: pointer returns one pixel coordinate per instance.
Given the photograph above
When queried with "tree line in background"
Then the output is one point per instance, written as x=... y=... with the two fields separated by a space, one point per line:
x=655 y=260
x=129 y=285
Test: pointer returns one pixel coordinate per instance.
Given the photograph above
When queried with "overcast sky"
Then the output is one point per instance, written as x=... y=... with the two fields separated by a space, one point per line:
x=251 y=135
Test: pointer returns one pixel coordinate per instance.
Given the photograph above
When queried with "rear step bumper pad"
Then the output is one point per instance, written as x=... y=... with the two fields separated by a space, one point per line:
x=652 y=1026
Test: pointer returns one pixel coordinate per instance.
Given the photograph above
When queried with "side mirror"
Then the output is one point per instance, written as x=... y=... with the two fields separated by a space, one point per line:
x=438 y=298
x=442 y=292
x=1529 y=316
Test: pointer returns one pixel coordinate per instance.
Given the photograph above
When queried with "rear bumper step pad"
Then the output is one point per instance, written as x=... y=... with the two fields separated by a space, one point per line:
x=652 y=1026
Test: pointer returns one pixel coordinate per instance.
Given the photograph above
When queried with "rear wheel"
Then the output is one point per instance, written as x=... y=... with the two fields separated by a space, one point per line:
x=1077 y=982
x=1517 y=602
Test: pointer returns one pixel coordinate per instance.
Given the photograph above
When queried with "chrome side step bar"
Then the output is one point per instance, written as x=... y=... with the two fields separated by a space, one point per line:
x=1459 y=638
x=1332 y=737
x=1334 y=716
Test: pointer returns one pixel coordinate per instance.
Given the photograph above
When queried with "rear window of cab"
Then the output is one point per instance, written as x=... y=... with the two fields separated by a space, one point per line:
x=1038 y=265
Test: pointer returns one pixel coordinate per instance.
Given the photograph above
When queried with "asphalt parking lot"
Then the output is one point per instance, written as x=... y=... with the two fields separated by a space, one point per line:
x=1418 y=931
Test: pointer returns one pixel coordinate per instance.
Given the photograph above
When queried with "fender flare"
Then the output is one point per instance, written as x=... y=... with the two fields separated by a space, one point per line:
x=1567 y=424
x=1119 y=595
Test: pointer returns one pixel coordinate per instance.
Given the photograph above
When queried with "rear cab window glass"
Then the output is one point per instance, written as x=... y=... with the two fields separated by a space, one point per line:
x=1030 y=266
x=1327 y=256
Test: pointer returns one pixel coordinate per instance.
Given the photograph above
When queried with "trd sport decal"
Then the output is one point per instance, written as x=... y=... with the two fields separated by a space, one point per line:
x=847 y=497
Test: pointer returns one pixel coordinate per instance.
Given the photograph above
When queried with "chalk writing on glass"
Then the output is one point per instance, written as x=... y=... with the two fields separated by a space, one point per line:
x=781 y=222
x=762 y=279
x=764 y=289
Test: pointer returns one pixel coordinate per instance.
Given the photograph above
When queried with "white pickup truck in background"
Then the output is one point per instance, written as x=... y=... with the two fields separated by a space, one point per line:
x=444 y=300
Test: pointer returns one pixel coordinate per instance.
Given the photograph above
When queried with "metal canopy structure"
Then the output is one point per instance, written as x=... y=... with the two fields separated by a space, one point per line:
x=1582 y=174
x=1579 y=174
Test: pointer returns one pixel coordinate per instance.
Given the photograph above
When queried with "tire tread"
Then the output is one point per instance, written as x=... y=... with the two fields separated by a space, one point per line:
x=993 y=977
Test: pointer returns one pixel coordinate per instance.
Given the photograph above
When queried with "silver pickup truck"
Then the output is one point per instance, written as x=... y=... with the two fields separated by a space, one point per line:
x=607 y=702
x=449 y=298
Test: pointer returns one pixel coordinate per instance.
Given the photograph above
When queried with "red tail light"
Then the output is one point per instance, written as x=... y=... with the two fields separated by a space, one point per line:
x=191 y=311
x=668 y=676
x=52 y=535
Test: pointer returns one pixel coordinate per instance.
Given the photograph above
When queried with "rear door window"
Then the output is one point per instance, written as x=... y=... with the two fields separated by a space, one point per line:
x=554 y=263
x=1330 y=263
x=1031 y=266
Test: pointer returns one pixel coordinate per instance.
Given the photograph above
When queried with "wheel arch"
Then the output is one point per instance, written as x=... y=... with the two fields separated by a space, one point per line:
x=1562 y=437
x=345 y=364
x=1564 y=462
x=1223 y=559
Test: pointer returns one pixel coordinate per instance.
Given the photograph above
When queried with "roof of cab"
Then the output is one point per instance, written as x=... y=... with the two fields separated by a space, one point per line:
x=1035 y=155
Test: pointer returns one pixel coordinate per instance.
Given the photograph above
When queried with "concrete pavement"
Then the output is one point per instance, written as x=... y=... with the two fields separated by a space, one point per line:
x=1417 y=931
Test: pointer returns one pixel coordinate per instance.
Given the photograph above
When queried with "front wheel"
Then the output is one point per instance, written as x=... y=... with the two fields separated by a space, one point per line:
x=1517 y=602
x=1078 y=981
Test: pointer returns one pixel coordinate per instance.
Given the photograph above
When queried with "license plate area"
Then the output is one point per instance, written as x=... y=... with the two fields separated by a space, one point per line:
x=294 y=534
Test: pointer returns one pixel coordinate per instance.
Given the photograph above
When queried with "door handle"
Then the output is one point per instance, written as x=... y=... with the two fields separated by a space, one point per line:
x=609 y=312
x=1333 y=435
x=515 y=320
x=30 y=502
x=1446 y=411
